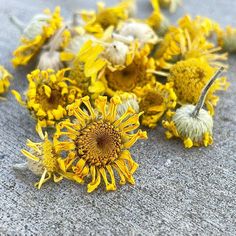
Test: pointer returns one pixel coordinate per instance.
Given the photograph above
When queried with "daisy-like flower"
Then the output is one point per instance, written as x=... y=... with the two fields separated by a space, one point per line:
x=48 y=95
x=35 y=35
x=100 y=142
x=133 y=75
x=190 y=77
x=178 y=44
x=5 y=78
x=227 y=39
x=170 y=4
x=97 y=22
x=192 y=123
x=42 y=160
x=155 y=99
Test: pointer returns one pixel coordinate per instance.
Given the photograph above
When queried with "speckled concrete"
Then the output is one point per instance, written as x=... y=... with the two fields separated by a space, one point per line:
x=178 y=191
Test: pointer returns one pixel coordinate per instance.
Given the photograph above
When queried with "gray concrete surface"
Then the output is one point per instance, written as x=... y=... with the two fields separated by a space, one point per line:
x=178 y=191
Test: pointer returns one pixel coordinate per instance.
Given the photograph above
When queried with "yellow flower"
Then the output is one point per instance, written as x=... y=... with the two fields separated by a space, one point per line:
x=178 y=44
x=5 y=77
x=227 y=39
x=100 y=142
x=133 y=75
x=193 y=132
x=42 y=160
x=97 y=22
x=31 y=46
x=48 y=95
x=155 y=100
x=189 y=78
x=170 y=4
x=192 y=123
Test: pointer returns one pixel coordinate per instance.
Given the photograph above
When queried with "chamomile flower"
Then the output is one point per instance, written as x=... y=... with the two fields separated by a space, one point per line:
x=42 y=160
x=97 y=22
x=155 y=99
x=35 y=35
x=192 y=123
x=133 y=75
x=227 y=39
x=5 y=78
x=48 y=95
x=99 y=142
x=190 y=77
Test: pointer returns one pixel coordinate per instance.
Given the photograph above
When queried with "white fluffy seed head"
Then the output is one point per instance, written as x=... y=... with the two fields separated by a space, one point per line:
x=35 y=27
x=116 y=53
x=141 y=31
x=193 y=127
x=50 y=60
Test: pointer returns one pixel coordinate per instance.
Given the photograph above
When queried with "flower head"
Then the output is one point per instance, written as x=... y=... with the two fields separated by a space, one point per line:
x=5 y=77
x=133 y=75
x=189 y=78
x=42 y=160
x=100 y=142
x=48 y=95
x=193 y=131
x=227 y=39
x=192 y=123
x=35 y=36
x=155 y=100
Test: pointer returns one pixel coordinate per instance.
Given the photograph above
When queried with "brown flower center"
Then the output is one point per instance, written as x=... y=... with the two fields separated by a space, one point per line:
x=99 y=143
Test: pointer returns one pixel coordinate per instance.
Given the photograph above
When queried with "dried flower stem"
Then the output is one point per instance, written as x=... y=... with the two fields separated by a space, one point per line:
x=202 y=98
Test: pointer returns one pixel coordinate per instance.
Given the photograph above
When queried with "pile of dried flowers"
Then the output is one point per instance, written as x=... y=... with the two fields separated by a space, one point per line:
x=102 y=73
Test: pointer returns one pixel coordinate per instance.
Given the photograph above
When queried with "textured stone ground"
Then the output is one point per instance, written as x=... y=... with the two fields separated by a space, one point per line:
x=178 y=191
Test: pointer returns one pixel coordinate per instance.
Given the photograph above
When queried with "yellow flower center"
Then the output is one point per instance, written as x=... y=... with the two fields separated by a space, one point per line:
x=49 y=159
x=99 y=143
x=151 y=99
x=189 y=78
x=128 y=78
x=52 y=102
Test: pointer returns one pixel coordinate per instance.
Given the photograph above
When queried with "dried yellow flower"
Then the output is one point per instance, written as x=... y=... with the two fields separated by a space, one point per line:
x=33 y=39
x=48 y=95
x=190 y=77
x=192 y=123
x=155 y=100
x=100 y=142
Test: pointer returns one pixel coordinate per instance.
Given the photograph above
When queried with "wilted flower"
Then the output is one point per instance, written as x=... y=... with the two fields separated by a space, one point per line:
x=42 y=160
x=190 y=77
x=48 y=95
x=35 y=35
x=155 y=100
x=192 y=123
x=99 y=142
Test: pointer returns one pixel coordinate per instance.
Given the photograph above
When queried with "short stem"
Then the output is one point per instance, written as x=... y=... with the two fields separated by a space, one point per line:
x=17 y=22
x=54 y=42
x=202 y=98
x=123 y=39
